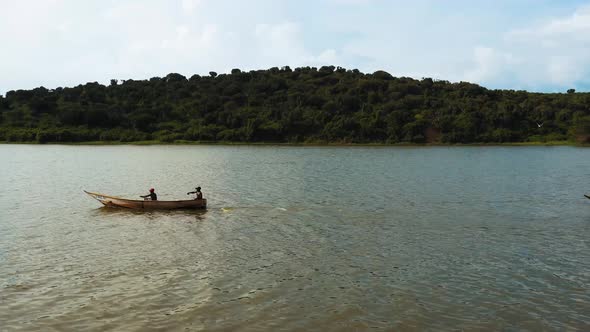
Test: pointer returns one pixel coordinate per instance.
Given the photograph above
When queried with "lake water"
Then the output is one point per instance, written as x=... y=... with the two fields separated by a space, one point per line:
x=296 y=238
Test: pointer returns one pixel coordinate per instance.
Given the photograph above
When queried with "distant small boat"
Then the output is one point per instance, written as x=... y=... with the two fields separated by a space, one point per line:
x=113 y=201
x=587 y=196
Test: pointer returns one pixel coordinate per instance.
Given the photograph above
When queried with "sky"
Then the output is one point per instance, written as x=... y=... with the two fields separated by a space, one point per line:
x=535 y=45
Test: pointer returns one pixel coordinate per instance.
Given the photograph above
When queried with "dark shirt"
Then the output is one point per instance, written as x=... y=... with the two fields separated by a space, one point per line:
x=198 y=193
x=152 y=196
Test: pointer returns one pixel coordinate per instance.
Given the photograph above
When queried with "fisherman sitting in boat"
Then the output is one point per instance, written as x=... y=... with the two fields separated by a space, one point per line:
x=152 y=195
x=197 y=192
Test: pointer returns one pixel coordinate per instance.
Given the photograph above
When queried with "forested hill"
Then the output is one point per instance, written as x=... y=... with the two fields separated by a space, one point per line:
x=329 y=105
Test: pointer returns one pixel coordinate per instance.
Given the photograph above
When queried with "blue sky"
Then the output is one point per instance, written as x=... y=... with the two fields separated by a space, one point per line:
x=538 y=45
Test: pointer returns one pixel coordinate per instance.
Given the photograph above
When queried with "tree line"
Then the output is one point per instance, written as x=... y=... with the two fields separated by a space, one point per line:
x=308 y=104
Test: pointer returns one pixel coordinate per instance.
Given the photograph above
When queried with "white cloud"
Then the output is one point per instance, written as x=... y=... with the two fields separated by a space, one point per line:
x=280 y=42
x=350 y=2
x=490 y=65
x=190 y=5
x=555 y=53
x=283 y=44
x=67 y=42
x=577 y=23
x=328 y=56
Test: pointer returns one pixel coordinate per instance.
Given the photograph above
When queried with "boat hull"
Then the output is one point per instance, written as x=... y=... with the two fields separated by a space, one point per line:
x=113 y=201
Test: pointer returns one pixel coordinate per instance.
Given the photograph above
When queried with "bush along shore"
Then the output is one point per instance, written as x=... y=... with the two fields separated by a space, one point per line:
x=327 y=105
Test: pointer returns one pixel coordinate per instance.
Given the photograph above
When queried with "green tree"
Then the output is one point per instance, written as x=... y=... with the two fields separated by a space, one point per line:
x=292 y=105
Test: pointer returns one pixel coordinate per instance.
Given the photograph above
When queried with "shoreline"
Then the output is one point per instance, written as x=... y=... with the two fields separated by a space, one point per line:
x=303 y=144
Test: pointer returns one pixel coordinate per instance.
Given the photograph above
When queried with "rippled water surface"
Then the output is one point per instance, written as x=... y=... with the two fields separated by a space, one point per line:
x=330 y=239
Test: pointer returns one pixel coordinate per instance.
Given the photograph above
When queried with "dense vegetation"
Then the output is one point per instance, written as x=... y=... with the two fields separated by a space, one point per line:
x=283 y=105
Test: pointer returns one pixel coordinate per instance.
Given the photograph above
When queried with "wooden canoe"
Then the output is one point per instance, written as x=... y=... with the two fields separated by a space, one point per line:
x=113 y=201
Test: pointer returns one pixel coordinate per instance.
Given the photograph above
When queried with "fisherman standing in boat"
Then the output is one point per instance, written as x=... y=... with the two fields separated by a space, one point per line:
x=152 y=195
x=197 y=192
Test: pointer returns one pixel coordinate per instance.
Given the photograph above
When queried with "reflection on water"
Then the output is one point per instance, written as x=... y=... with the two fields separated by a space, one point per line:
x=296 y=239
x=121 y=212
